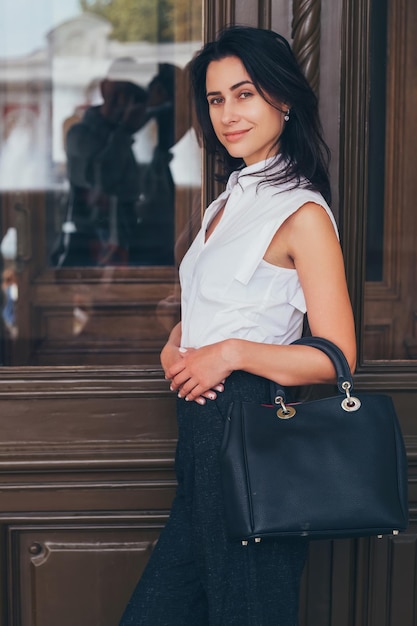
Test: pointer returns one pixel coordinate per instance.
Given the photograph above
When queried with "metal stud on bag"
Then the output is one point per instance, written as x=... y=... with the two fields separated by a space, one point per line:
x=394 y=532
x=284 y=412
x=245 y=541
x=350 y=403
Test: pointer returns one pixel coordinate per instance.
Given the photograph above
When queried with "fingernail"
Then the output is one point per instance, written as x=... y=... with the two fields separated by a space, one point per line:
x=179 y=395
x=201 y=401
x=171 y=388
x=182 y=349
x=219 y=388
x=211 y=396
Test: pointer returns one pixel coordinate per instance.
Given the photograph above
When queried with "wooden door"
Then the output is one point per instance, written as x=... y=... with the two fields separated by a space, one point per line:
x=378 y=148
x=87 y=423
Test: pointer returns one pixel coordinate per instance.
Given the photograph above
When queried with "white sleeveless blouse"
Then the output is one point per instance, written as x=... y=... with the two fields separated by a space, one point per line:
x=227 y=288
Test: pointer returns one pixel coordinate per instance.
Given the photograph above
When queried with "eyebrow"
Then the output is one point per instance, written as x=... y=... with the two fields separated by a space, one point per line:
x=232 y=88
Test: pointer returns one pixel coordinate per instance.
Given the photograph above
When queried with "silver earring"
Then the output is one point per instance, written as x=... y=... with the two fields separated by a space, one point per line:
x=287 y=116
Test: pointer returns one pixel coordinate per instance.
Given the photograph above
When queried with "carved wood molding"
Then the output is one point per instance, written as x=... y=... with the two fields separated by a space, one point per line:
x=378 y=336
x=354 y=145
x=264 y=13
x=306 y=39
x=217 y=14
x=78 y=382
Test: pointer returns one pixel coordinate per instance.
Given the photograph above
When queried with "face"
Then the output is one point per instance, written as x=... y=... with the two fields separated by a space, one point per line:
x=243 y=121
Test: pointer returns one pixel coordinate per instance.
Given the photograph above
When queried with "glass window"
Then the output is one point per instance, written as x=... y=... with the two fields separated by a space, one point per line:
x=390 y=310
x=100 y=177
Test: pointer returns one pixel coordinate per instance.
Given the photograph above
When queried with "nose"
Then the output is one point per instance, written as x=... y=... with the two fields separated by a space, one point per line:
x=229 y=112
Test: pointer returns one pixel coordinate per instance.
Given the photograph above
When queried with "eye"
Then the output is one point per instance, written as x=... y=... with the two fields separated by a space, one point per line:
x=216 y=100
x=245 y=94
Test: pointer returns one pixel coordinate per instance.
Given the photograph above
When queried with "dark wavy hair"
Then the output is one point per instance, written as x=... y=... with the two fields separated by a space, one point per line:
x=274 y=71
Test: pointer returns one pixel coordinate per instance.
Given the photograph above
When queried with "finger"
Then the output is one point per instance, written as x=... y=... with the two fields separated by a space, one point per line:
x=210 y=394
x=187 y=388
x=194 y=393
x=179 y=380
x=175 y=369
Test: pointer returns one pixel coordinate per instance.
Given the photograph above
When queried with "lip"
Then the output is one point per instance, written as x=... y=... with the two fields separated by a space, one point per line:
x=235 y=135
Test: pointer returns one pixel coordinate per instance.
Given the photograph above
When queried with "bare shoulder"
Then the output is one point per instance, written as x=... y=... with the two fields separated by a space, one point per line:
x=310 y=227
x=310 y=215
x=295 y=234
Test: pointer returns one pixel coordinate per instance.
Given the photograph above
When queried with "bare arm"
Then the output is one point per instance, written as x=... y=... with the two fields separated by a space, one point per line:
x=170 y=352
x=312 y=246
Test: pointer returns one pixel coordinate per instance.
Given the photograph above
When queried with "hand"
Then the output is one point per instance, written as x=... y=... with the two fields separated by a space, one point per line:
x=172 y=355
x=199 y=373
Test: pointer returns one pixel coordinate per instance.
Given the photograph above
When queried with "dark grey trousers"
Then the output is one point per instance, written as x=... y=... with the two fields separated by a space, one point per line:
x=196 y=576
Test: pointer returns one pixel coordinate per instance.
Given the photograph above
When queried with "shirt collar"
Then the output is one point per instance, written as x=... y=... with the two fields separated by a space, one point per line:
x=254 y=173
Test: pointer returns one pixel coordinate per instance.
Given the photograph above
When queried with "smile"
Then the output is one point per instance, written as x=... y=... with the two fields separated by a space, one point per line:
x=235 y=135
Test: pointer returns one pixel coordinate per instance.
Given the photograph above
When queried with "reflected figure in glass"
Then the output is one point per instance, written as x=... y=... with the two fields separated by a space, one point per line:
x=120 y=211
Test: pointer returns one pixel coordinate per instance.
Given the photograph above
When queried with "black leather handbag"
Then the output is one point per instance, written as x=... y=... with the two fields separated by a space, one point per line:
x=328 y=468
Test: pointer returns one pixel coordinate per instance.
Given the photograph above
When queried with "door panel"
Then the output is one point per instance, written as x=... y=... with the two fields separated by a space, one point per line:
x=52 y=566
x=390 y=289
x=378 y=151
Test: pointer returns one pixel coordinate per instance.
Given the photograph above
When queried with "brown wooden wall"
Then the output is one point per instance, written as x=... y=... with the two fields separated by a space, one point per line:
x=86 y=483
x=85 y=487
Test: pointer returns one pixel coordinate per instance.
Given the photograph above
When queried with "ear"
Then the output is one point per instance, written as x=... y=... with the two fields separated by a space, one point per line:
x=284 y=106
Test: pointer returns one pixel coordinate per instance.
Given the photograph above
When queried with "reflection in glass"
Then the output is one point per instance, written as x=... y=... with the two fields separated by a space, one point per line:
x=99 y=176
x=121 y=210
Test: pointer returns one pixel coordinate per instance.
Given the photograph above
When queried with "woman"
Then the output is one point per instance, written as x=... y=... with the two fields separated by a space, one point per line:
x=267 y=252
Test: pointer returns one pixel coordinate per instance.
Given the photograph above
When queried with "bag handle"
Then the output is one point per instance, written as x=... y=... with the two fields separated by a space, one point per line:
x=343 y=374
x=335 y=355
